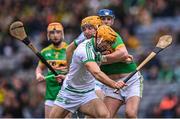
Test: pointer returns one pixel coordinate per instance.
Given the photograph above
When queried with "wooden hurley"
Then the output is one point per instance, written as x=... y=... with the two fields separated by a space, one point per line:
x=17 y=31
x=164 y=42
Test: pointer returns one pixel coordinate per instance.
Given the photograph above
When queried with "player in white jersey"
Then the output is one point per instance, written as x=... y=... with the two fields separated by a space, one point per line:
x=78 y=87
x=89 y=26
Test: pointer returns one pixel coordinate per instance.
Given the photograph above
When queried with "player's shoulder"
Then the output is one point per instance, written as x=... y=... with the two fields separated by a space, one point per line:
x=119 y=38
x=118 y=35
x=84 y=44
x=81 y=47
x=81 y=37
x=49 y=47
x=64 y=45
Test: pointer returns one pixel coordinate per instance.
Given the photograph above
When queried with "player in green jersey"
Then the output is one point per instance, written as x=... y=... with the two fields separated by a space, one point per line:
x=117 y=65
x=55 y=54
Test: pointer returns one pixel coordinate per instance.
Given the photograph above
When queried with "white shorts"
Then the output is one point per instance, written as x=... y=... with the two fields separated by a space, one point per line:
x=71 y=101
x=134 y=88
x=98 y=85
x=49 y=103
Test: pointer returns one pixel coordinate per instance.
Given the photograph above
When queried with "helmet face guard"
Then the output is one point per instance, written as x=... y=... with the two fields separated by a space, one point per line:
x=105 y=13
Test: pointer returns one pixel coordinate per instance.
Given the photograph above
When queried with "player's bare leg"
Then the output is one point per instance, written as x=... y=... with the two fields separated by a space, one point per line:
x=101 y=95
x=95 y=108
x=113 y=105
x=68 y=116
x=47 y=111
x=132 y=106
x=58 y=112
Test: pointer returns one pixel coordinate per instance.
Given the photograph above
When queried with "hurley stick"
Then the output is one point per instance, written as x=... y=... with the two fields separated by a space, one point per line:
x=17 y=31
x=164 y=42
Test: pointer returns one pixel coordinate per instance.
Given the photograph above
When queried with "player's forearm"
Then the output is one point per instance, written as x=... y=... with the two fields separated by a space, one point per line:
x=100 y=76
x=94 y=69
x=38 y=71
x=68 y=57
x=69 y=53
x=115 y=57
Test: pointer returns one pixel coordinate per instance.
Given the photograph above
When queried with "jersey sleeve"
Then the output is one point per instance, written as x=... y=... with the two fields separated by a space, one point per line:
x=118 y=43
x=86 y=55
x=79 y=39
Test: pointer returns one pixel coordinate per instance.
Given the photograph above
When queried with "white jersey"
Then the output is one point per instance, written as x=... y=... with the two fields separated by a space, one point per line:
x=79 y=39
x=79 y=78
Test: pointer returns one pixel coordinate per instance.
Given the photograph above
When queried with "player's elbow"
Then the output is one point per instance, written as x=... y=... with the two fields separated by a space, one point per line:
x=117 y=54
x=121 y=56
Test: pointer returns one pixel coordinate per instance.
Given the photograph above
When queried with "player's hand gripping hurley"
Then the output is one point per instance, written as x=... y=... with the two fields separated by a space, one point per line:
x=164 y=42
x=17 y=30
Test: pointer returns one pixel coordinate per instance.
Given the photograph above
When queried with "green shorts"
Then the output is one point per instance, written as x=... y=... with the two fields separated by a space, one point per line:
x=52 y=89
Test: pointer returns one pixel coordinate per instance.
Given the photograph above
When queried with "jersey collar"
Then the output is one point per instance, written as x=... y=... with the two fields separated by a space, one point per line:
x=63 y=45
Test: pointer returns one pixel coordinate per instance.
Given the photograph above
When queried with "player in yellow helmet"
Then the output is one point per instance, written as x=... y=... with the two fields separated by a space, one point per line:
x=55 y=54
x=89 y=26
x=55 y=27
x=118 y=65
x=78 y=87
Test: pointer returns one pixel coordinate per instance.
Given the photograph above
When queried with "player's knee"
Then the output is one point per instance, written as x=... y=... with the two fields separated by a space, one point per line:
x=53 y=113
x=131 y=114
x=104 y=114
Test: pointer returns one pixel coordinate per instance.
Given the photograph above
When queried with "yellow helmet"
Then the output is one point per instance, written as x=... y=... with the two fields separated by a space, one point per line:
x=55 y=26
x=93 y=20
x=106 y=33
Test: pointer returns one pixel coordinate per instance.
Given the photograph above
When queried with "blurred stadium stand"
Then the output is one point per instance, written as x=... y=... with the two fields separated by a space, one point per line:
x=139 y=22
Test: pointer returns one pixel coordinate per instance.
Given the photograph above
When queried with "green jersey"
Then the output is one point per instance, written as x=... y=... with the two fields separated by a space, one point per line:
x=119 y=67
x=56 y=57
